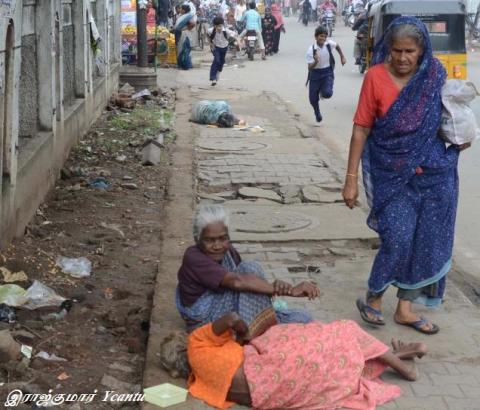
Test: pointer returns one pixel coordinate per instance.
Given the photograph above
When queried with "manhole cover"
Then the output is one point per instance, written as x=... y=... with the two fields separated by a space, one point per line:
x=261 y=221
x=233 y=144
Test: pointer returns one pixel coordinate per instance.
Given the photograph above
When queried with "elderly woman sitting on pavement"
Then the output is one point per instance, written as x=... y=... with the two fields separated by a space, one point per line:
x=213 y=280
x=294 y=366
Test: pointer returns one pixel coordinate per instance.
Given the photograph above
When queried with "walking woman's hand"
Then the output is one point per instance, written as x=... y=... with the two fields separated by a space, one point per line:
x=350 y=192
x=464 y=146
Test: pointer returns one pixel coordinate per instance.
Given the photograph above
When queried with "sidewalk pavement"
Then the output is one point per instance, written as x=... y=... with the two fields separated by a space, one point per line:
x=303 y=231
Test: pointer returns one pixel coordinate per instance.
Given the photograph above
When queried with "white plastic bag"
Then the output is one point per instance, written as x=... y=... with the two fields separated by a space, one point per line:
x=76 y=267
x=39 y=295
x=458 y=124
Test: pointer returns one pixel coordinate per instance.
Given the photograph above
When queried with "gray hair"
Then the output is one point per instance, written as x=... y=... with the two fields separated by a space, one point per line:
x=206 y=215
x=173 y=354
x=405 y=31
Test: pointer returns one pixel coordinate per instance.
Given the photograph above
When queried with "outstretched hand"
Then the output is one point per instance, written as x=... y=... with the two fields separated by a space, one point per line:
x=306 y=289
x=281 y=288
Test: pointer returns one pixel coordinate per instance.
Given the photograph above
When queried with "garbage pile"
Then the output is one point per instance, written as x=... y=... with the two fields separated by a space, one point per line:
x=127 y=98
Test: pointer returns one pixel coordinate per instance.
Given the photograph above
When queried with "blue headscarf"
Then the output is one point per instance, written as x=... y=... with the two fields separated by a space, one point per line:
x=406 y=137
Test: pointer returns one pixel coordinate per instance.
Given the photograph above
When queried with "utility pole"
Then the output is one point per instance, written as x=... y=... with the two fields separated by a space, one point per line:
x=142 y=51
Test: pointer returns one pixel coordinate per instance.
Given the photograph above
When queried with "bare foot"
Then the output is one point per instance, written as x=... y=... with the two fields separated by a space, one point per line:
x=408 y=370
x=408 y=350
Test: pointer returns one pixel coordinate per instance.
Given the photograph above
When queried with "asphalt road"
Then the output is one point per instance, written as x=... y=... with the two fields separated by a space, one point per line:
x=285 y=74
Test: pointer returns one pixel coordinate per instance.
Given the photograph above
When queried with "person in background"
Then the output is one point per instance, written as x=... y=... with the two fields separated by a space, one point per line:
x=306 y=8
x=182 y=40
x=219 y=37
x=279 y=27
x=240 y=9
x=268 y=31
x=253 y=21
x=321 y=64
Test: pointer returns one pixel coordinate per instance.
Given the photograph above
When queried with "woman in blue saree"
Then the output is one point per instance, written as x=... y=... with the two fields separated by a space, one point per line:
x=182 y=41
x=410 y=175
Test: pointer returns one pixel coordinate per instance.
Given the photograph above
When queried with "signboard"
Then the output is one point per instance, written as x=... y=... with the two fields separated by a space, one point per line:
x=7 y=8
x=129 y=28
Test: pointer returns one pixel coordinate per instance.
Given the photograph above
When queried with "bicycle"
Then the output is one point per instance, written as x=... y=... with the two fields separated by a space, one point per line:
x=202 y=32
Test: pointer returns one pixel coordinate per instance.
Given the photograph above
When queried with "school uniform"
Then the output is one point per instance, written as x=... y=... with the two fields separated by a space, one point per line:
x=220 y=42
x=321 y=76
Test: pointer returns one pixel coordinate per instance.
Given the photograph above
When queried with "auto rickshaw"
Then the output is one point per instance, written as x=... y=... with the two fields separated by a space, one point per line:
x=445 y=21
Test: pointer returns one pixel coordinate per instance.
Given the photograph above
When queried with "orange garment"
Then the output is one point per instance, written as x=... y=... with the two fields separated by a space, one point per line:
x=214 y=361
x=378 y=94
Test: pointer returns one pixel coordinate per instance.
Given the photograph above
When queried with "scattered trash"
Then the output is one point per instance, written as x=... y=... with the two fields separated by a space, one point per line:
x=7 y=314
x=76 y=267
x=129 y=185
x=165 y=395
x=55 y=316
x=12 y=295
x=27 y=351
x=113 y=227
x=108 y=293
x=145 y=94
x=9 y=276
x=63 y=376
x=151 y=151
x=121 y=158
x=9 y=348
x=99 y=183
x=126 y=89
x=252 y=128
x=127 y=178
x=50 y=357
x=39 y=295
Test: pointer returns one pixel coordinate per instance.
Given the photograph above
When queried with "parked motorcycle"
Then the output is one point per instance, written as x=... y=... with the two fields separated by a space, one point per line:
x=251 y=43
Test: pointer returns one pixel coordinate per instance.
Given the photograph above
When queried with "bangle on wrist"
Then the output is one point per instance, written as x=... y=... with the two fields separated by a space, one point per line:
x=352 y=175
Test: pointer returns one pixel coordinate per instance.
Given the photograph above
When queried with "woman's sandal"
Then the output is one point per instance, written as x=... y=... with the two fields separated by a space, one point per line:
x=364 y=310
x=418 y=326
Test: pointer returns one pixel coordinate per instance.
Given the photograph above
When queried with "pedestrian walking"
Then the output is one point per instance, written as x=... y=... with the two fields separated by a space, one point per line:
x=268 y=31
x=218 y=36
x=321 y=65
x=279 y=27
x=409 y=174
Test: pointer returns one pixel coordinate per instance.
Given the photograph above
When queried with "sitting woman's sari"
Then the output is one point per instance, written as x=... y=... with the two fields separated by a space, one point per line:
x=182 y=41
x=295 y=366
x=411 y=181
x=254 y=308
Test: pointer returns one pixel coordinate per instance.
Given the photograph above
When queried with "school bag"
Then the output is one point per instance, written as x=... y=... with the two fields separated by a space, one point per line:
x=212 y=36
x=332 y=60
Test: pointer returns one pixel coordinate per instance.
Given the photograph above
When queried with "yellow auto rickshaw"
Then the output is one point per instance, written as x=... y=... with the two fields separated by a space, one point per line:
x=445 y=21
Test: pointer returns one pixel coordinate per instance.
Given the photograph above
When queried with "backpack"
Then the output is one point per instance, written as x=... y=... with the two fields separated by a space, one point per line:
x=214 y=32
x=332 y=60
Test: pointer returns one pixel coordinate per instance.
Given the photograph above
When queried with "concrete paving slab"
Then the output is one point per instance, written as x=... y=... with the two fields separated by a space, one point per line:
x=261 y=223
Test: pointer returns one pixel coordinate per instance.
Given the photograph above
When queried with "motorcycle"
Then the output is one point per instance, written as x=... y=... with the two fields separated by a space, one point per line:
x=251 y=43
x=328 y=21
x=348 y=16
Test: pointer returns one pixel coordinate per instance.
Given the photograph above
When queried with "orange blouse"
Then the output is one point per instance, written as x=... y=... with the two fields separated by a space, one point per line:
x=214 y=361
x=378 y=94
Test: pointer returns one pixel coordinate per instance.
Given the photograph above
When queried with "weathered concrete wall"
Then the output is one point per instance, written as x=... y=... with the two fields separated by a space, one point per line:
x=50 y=95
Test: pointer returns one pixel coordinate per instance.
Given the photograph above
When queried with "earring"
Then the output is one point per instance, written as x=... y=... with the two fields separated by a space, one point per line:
x=389 y=58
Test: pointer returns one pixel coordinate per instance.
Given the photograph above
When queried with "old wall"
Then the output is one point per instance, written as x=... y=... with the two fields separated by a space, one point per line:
x=53 y=85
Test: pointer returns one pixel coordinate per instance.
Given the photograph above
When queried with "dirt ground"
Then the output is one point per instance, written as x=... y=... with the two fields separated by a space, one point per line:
x=103 y=337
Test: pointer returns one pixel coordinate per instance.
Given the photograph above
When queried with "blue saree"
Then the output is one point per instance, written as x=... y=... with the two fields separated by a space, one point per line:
x=254 y=308
x=182 y=42
x=411 y=182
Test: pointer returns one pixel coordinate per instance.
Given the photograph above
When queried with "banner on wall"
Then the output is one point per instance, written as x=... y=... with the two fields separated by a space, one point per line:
x=129 y=27
x=7 y=8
